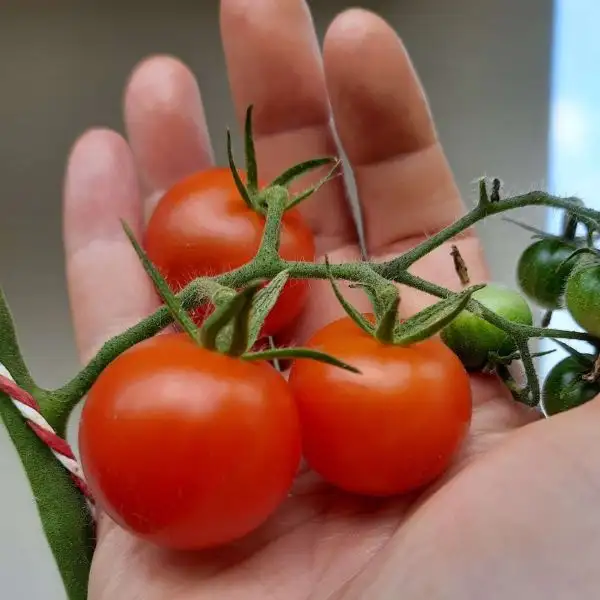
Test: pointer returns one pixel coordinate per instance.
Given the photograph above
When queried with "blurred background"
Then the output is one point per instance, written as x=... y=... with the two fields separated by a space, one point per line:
x=510 y=84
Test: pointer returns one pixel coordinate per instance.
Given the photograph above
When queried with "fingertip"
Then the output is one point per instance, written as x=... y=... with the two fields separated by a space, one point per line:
x=378 y=101
x=162 y=74
x=165 y=121
x=274 y=63
x=353 y=25
x=100 y=176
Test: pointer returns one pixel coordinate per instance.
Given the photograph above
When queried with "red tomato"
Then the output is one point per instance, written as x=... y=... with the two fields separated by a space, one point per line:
x=202 y=226
x=188 y=448
x=392 y=428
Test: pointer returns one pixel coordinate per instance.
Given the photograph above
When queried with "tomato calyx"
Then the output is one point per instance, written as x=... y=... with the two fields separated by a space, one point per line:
x=257 y=199
x=590 y=363
x=387 y=327
x=234 y=326
x=587 y=256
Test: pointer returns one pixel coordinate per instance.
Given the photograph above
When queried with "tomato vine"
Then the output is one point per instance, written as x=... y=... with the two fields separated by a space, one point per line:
x=266 y=273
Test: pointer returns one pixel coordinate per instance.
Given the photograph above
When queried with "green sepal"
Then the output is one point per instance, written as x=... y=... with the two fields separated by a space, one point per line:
x=583 y=359
x=434 y=318
x=300 y=169
x=538 y=233
x=263 y=303
x=522 y=395
x=298 y=198
x=294 y=353
x=251 y=166
x=495 y=359
x=484 y=198
x=239 y=184
x=354 y=314
x=374 y=293
x=546 y=319
x=387 y=319
x=162 y=287
x=570 y=221
x=591 y=257
x=227 y=325
x=209 y=289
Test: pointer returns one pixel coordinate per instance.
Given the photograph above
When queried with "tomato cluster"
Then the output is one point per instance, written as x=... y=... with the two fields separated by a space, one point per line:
x=556 y=273
x=202 y=226
x=192 y=447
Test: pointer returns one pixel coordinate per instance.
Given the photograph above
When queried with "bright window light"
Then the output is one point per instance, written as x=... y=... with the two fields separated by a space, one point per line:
x=574 y=161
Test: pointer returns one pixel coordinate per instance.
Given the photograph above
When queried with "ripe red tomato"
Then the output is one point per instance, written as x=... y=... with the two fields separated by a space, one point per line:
x=202 y=226
x=188 y=448
x=392 y=428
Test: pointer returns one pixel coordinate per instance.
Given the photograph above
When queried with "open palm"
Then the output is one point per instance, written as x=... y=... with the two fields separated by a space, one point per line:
x=516 y=516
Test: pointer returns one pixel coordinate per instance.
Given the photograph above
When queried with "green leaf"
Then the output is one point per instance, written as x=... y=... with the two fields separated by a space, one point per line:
x=162 y=287
x=263 y=303
x=310 y=191
x=251 y=167
x=294 y=353
x=434 y=318
x=236 y=176
x=300 y=169
x=225 y=315
x=354 y=314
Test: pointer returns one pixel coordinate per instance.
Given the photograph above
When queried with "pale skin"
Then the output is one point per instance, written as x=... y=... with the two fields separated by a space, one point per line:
x=517 y=515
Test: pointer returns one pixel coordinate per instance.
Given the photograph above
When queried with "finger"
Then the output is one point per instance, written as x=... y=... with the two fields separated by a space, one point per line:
x=403 y=181
x=274 y=64
x=108 y=288
x=165 y=123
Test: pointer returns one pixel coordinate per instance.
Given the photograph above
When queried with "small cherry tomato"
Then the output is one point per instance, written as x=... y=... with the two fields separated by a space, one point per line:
x=392 y=428
x=472 y=338
x=202 y=226
x=565 y=386
x=582 y=295
x=542 y=272
x=188 y=448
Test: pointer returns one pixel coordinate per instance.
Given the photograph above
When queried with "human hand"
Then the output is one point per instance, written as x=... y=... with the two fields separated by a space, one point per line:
x=499 y=524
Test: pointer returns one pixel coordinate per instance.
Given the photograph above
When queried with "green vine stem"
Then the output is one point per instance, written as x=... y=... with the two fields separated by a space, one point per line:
x=268 y=265
x=64 y=513
x=63 y=510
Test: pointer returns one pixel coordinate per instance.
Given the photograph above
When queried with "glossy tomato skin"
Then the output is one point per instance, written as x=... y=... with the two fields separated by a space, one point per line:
x=202 y=226
x=391 y=429
x=472 y=338
x=565 y=387
x=542 y=272
x=188 y=448
x=582 y=295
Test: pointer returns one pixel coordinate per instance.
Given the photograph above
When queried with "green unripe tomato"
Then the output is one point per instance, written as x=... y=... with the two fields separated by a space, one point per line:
x=540 y=274
x=472 y=338
x=565 y=388
x=582 y=294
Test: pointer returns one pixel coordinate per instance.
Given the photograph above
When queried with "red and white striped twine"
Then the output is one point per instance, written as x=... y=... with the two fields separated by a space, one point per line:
x=26 y=404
